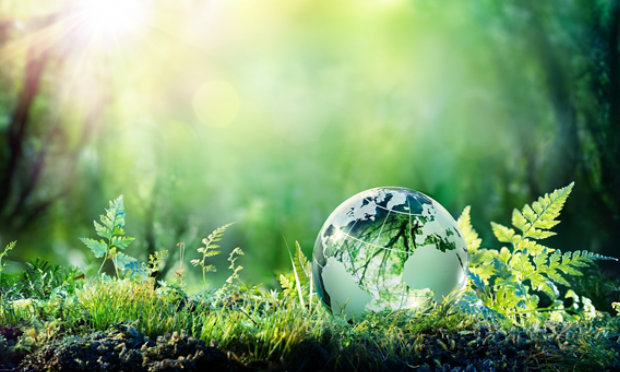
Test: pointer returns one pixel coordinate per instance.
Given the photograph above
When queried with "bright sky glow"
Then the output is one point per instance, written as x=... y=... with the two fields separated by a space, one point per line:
x=113 y=21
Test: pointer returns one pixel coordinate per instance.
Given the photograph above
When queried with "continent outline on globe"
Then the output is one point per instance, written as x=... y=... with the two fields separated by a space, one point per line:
x=387 y=248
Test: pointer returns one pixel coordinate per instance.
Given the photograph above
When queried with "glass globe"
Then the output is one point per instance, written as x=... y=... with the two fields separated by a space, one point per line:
x=387 y=248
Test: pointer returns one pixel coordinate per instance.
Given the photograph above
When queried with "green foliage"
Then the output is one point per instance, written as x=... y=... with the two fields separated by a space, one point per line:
x=41 y=280
x=508 y=280
x=9 y=247
x=233 y=281
x=156 y=261
x=260 y=326
x=302 y=271
x=111 y=230
x=209 y=250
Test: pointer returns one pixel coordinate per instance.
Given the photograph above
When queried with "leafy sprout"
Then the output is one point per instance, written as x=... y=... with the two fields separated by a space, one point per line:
x=111 y=230
x=209 y=250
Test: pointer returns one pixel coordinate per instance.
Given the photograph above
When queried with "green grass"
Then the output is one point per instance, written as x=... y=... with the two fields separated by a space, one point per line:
x=259 y=327
x=52 y=316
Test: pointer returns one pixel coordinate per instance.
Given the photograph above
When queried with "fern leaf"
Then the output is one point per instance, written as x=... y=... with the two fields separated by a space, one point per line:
x=297 y=270
x=215 y=236
x=212 y=253
x=7 y=248
x=102 y=231
x=114 y=218
x=504 y=255
x=302 y=265
x=121 y=242
x=124 y=260
x=485 y=272
x=543 y=214
x=531 y=247
x=521 y=265
x=472 y=241
x=593 y=256
x=98 y=247
x=502 y=233
x=285 y=283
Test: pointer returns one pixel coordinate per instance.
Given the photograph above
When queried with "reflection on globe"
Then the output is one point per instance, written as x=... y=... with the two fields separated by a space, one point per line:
x=387 y=248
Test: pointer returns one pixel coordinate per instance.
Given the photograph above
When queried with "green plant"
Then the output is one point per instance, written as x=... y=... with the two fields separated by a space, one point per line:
x=508 y=281
x=302 y=271
x=9 y=247
x=156 y=261
x=209 y=250
x=111 y=230
x=181 y=270
x=233 y=281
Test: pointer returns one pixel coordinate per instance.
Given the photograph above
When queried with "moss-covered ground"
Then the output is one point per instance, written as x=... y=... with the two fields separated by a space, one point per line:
x=53 y=319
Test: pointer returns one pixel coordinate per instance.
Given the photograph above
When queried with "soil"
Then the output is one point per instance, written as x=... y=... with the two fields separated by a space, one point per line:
x=123 y=348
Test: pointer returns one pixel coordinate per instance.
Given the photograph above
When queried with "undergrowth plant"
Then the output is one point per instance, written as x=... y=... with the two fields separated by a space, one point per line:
x=9 y=247
x=111 y=230
x=302 y=272
x=505 y=285
x=260 y=327
x=233 y=282
x=209 y=250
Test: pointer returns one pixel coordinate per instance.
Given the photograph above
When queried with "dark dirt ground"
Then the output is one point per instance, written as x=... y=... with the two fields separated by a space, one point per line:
x=123 y=348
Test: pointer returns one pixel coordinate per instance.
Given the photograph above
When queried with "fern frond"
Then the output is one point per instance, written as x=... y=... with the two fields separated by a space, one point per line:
x=502 y=233
x=472 y=241
x=209 y=250
x=215 y=236
x=302 y=270
x=286 y=284
x=535 y=221
x=505 y=280
x=111 y=230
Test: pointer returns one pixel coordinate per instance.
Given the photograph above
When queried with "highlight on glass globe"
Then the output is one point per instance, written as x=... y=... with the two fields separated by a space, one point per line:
x=387 y=248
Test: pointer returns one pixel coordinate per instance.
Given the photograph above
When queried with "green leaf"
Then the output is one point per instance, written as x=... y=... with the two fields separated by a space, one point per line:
x=121 y=242
x=301 y=270
x=302 y=264
x=519 y=221
x=98 y=247
x=215 y=236
x=521 y=265
x=472 y=241
x=544 y=213
x=122 y=260
x=286 y=284
x=102 y=231
x=531 y=247
x=504 y=255
x=502 y=233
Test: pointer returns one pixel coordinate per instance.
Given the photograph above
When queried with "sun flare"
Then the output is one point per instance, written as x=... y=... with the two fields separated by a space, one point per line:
x=112 y=21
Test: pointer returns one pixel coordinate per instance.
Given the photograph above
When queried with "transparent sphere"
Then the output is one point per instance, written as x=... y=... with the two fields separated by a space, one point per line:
x=387 y=248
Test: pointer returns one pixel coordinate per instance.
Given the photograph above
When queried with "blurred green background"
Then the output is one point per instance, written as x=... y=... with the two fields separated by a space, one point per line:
x=270 y=113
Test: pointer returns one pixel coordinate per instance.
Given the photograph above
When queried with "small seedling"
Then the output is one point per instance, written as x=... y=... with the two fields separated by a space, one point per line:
x=209 y=250
x=113 y=240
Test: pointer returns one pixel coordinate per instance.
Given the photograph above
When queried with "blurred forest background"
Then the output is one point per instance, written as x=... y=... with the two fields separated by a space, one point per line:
x=270 y=113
